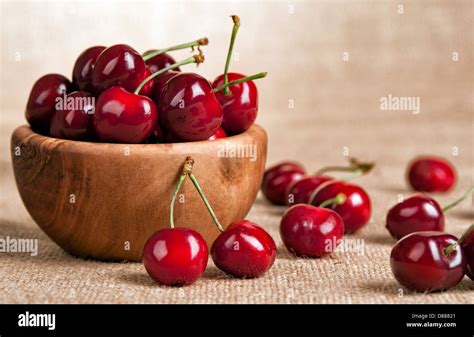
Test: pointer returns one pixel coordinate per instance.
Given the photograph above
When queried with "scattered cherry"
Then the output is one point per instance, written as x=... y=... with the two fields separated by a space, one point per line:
x=419 y=213
x=428 y=261
x=189 y=108
x=278 y=177
x=311 y=231
x=175 y=256
x=355 y=211
x=431 y=174
x=75 y=124
x=300 y=191
x=467 y=244
x=42 y=100
x=124 y=117
x=84 y=66
x=244 y=250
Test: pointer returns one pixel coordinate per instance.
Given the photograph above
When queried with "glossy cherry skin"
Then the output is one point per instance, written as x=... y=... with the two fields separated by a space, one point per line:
x=160 y=61
x=119 y=65
x=175 y=256
x=82 y=71
x=123 y=117
x=431 y=174
x=218 y=135
x=240 y=106
x=189 y=108
x=74 y=124
x=300 y=191
x=278 y=177
x=311 y=231
x=159 y=90
x=244 y=250
x=468 y=248
x=419 y=263
x=355 y=211
x=42 y=100
x=415 y=214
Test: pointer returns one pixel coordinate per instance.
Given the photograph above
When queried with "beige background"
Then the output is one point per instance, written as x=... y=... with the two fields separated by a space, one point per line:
x=336 y=105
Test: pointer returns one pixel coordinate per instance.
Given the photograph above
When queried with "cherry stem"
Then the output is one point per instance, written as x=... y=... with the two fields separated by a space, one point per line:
x=208 y=206
x=199 y=42
x=193 y=59
x=187 y=167
x=356 y=167
x=455 y=203
x=235 y=29
x=241 y=80
x=338 y=200
x=448 y=250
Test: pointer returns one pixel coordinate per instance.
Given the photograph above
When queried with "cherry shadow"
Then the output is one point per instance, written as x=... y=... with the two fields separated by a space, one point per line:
x=381 y=239
x=138 y=279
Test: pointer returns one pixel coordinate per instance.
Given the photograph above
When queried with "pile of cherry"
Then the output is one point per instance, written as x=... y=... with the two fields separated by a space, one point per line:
x=142 y=98
x=424 y=259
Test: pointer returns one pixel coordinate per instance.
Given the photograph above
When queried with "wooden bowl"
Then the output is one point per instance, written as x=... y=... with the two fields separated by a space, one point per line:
x=103 y=200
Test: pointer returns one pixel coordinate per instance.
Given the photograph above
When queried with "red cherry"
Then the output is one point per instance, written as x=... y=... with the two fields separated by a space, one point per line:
x=278 y=177
x=355 y=211
x=311 y=231
x=244 y=250
x=175 y=256
x=431 y=174
x=419 y=261
x=415 y=214
x=119 y=65
x=468 y=248
x=74 y=123
x=82 y=71
x=240 y=106
x=218 y=135
x=300 y=191
x=189 y=107
x=123 y=117
x=160 y=61
x=42 y=100
x=149 y=86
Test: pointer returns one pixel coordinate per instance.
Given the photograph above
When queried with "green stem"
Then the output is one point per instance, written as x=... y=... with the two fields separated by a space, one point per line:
x=235 y=29
x=455 y=203
x=187 y=167
x=193 y=59
x=208 y=206
x=199 y=42
x=241 y=80
x=338 y=200
x=451 y=248
x=355 y=166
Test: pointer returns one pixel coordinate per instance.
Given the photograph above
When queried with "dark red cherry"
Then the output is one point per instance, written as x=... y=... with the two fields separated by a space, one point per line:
x=218 y=135
x=159 y=90
x=415 y=214
x=419 y=261
x=468 y=248
x=123 y=117
x=431 y=174
x=355 y=211
x=240 y=106
x=278 y=177
x=82 y=71
x=189 y=108
x=160 y=61
x=74 y=120
x=149 y=86
x=244 y=250
x=300 y=191
x=311 y=231
x=175 y=256
x=42 y=100
x=119 y=65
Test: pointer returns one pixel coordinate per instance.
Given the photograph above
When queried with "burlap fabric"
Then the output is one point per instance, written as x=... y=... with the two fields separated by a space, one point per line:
x=315 y=106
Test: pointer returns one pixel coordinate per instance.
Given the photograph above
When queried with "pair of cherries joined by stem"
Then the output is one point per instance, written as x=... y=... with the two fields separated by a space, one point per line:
x=431 y=174
x=178 y=256
x=432 y=261
x=419 y=213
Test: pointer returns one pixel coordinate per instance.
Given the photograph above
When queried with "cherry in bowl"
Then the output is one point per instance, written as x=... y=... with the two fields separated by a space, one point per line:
x=84 y=66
